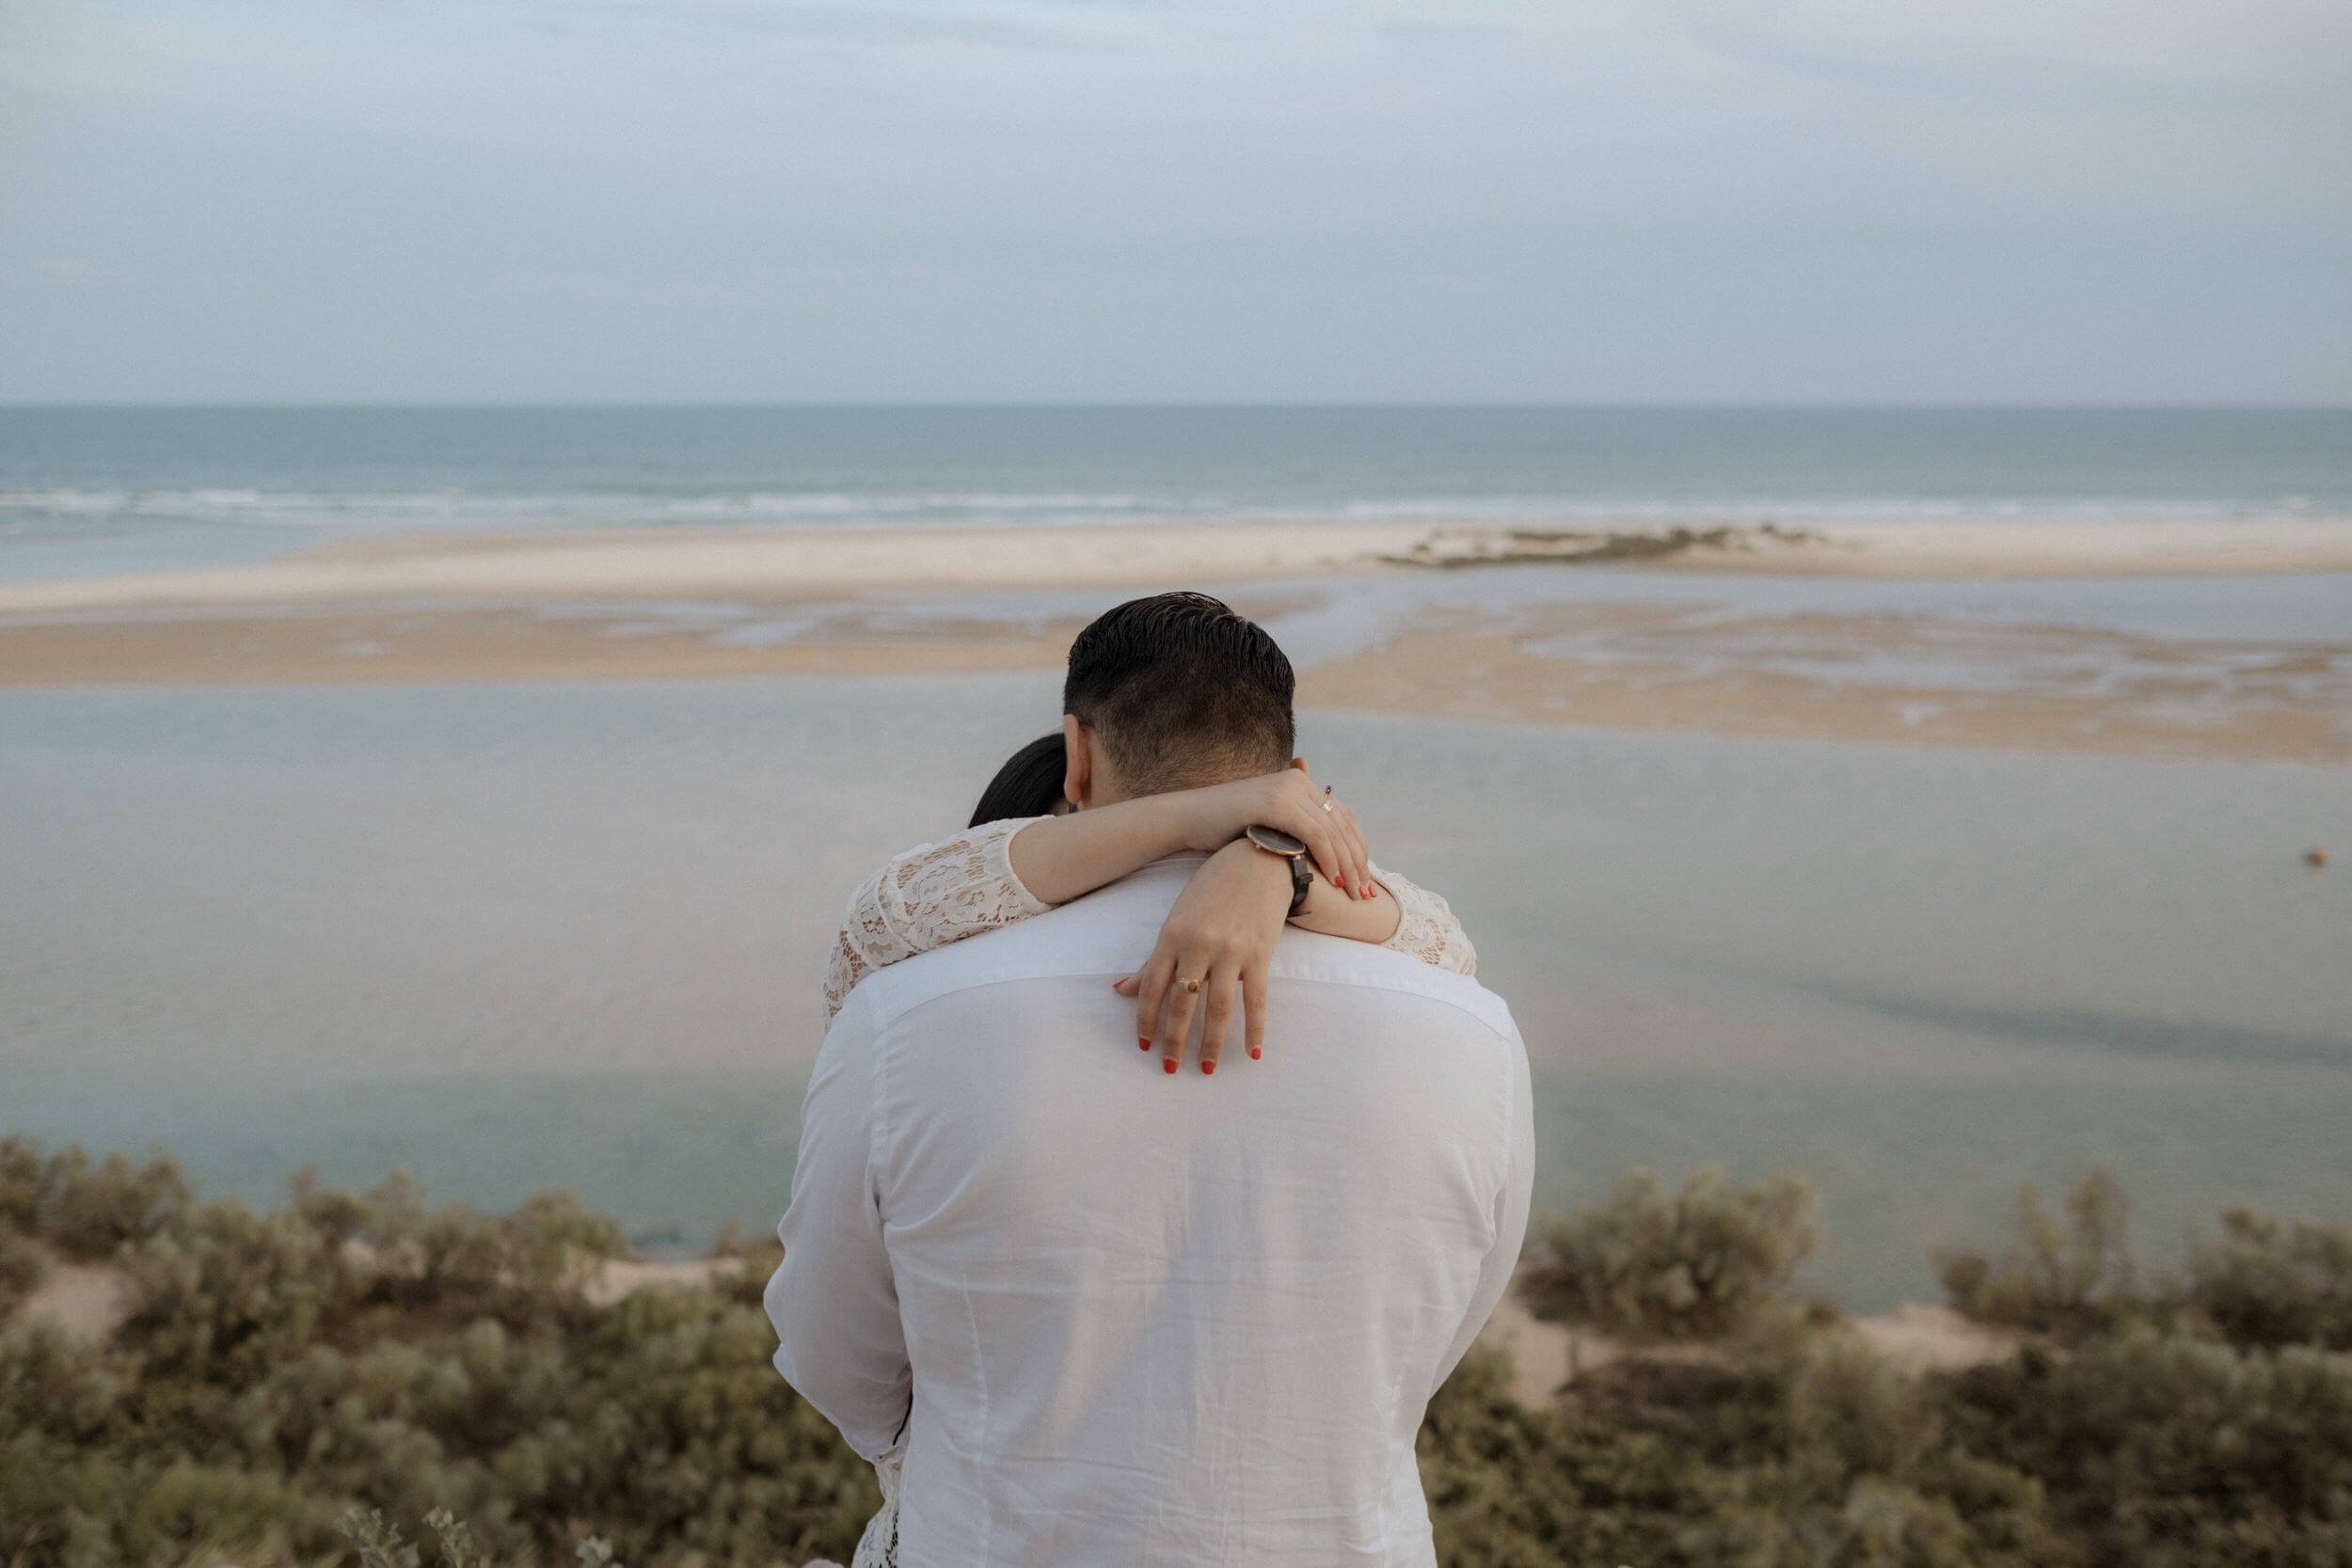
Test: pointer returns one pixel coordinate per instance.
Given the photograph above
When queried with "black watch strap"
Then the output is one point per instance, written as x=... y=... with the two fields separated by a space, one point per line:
x=1302 y=883
x=1274 y=841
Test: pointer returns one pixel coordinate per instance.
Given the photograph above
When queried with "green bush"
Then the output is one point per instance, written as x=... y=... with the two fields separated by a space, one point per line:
x=366 y=1371
x=85 y=1209
x=1508 y=1485
x=21 y=1173
x=274 y=1370
x=1693 y=1266
x=2273 y=1282
x=2169 y=1451
x=21 y=1266
x=2065 y=1279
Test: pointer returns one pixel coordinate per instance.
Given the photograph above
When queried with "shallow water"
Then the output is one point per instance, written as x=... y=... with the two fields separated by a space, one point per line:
x=134 y=489
x=569 y=934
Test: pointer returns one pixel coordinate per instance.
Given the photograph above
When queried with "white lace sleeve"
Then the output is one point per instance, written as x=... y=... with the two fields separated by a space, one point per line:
x=1427 y=929
x=928 y=897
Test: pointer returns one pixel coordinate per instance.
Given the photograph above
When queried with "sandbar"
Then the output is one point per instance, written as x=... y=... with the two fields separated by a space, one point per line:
x=774 y=563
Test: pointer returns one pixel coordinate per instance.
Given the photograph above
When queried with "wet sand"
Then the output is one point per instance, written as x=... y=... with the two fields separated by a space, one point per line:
x=776 y=563
x=624 y=606
x=1859 y=677
x=1873 y=677
x=363 y=645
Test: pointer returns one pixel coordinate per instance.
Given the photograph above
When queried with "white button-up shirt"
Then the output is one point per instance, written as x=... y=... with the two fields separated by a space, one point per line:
x=1105 y=1315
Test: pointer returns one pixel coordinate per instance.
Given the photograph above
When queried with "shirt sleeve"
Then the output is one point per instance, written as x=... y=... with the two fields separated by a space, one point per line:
x=1425 y=927
x=1512 y=1200
x=832 y=1300
x=928 y=896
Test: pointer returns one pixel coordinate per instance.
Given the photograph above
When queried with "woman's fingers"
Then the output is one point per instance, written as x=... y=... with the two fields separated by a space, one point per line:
x=1333 y=836
x=1363 y=851
x=1253 y=1009
x=1344 y=851
x=1350 y=840
x=1176 y=1024
x=1151 y=989
x=1298 y=811
x=1313 y=829
x=1218 y=993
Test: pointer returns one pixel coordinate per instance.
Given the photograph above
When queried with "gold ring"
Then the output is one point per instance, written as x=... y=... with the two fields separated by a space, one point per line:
x=1190 y=986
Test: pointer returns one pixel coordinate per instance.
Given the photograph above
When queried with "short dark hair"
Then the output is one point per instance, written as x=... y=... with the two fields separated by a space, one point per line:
x=1029 y=783
x=1181 y=691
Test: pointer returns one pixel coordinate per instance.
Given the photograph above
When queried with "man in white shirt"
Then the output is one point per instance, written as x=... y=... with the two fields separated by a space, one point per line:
x=1097 y=1314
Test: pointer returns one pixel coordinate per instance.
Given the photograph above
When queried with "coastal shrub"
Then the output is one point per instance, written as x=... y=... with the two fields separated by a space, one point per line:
x=1815 y=1448
x=2053 y=1278
x=2171 y=1451
x=1511 y=1485
x=227 y=1294
x=21 y=1266
x=273 y=1370
x=86 y=1208
x=1694 y=1265
x=2273 y=1282
x=443 y=1374
x=21 y=1168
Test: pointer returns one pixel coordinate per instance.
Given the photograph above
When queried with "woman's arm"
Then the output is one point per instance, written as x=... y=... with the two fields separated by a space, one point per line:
x=1061 y=858
x=928 y=896
x=1408 y=918
x=1005 y=871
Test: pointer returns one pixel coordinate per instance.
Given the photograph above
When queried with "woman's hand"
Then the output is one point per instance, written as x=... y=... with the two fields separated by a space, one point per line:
x=1294 y=802
x=1221 y=934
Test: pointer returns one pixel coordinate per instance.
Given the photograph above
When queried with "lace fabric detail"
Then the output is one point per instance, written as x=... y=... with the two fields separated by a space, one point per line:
x=1426 y=928
x=928 y=897
x=878 y=1547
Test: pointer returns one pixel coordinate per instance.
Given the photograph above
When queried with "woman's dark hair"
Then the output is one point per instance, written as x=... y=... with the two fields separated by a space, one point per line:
x=1181 y=690
x=1029 y=785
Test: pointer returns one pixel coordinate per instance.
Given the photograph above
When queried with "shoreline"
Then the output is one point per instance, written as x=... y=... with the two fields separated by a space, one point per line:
x=785 y=565
x=1387 y=618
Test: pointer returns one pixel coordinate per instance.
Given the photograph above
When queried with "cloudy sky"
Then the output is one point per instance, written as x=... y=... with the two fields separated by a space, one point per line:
x=1219 y=200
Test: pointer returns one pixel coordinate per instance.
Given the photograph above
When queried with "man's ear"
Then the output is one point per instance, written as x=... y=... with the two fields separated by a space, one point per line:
x=1299 y=762
x=1077 y=773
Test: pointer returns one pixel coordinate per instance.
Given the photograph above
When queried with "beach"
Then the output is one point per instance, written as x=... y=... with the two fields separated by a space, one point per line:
x=605 y=605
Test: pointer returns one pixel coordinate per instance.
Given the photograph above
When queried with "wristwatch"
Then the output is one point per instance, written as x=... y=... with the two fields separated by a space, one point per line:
x=1274 y=841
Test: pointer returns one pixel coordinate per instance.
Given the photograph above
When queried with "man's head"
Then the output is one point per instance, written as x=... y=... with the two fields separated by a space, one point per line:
x=1171 y=692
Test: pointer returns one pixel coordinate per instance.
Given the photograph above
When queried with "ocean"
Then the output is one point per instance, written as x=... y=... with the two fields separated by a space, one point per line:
x=107 y=490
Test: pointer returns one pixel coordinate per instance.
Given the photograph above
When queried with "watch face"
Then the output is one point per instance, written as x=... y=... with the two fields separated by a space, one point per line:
x=1276 y=840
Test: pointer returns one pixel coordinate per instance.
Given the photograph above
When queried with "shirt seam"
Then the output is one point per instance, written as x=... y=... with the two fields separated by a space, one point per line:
x=1506 y=1140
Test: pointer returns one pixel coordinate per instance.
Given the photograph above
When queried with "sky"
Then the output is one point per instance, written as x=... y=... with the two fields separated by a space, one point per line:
x=2133 y=202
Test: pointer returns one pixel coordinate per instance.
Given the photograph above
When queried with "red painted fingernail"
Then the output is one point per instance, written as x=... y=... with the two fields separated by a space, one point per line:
x=1207 y=1067
x=1255 y=1052
x=1171 y=1064
x=1143 y=1043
